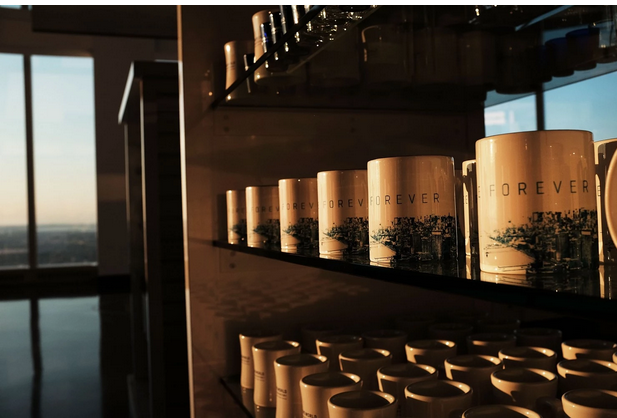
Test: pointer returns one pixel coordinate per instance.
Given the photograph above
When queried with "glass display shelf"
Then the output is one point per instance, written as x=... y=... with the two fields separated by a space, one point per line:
x=244 y=398
x=588 y=293
x=429 y=57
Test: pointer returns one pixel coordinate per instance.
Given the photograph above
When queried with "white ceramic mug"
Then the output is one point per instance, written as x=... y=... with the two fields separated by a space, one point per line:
x=604 y=152
x=586 y=373
x=438 y=398
x=365 y=362
x=338 y=64
x=392 y=340
x=299 y=225
x=333 y=345
x=476 y=371
x=470 y=202
x=289 y=371
x=489 y=344
x=477 y=50
x=412 y=209
x=385 y=57
x=499 y=411
x=451 y=331
x=505 y=325
x=539 y=337
x=343 y=212
x=523 y=387
x=610 y=198
x=263 y=217
x=431 y=352
x=236 y=216
x=435 y=57
x=395 y=378
x=362 y=404
x=415 y=325
x=312 y=332
x=264 y=355
x=590 y=349
x=529 y=357
x=234 y=65
x=537 y=181
x=317 y=389
x=247 y=341
x=590 y=403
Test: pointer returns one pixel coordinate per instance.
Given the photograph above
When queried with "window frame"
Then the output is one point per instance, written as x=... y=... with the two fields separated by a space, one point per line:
x=33 y=271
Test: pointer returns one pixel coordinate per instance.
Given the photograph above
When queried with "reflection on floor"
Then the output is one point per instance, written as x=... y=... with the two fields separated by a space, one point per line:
x=66 y=357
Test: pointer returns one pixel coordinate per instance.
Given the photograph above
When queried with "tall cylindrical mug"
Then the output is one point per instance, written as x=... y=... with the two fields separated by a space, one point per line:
x=299 y=226
x=234 y=65
x=343 y=213
x=236 y=216
x=263 y=216
x=536 y=202
x=412 y=209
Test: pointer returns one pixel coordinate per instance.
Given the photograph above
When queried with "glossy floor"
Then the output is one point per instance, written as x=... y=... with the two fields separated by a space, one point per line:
x=65 y=357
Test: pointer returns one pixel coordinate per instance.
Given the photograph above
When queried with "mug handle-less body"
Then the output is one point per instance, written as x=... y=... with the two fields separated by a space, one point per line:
x=610 y=198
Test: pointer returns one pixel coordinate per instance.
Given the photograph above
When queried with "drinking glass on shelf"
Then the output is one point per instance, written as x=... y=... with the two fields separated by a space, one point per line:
x=385 y=56
x=605 y=50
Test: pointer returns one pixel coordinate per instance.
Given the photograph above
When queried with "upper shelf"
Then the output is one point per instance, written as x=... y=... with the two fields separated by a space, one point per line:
x=425 y=57
x=589 y=293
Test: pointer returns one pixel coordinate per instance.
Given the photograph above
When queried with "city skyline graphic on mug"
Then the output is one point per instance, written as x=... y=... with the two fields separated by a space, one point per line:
x=306 y=231
x=270 y=232
x=555 y=241
x=353 y=232
x=239 y=229
x=426 y=238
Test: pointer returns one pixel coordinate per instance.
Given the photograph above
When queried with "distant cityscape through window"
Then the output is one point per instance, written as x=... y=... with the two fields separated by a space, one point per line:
x=64 y=161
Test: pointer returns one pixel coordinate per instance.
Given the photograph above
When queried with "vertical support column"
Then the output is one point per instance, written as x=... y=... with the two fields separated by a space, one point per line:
x=163 y=249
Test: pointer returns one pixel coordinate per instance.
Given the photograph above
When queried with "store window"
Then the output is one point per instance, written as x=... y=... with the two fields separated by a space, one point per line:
x=587 y=105
x=514 y=116
x=14 y=185
x=62 y=213
x=64 y=159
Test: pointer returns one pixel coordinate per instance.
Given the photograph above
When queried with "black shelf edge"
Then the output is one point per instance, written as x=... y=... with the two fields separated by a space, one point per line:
x=560 y=301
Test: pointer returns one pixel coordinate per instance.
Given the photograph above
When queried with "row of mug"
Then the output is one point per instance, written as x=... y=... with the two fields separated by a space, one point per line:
x=395 y=55
x=531 y=199
x=473 y=379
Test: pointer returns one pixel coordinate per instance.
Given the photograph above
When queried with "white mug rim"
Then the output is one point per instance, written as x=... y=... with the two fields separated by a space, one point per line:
x=411 y=158
x=512 y=134
x=504 y=356
x=553 y=376
x=455 y=366
x=429 y=398
x=391 y=399
x=352 y=376
x=609 y=365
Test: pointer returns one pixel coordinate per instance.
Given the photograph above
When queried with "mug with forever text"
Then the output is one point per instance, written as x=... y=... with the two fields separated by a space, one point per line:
x=412 y=209
x=536 y=202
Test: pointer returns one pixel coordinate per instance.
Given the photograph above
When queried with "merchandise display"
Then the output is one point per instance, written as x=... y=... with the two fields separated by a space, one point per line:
x=436 y=379
x=402 y=184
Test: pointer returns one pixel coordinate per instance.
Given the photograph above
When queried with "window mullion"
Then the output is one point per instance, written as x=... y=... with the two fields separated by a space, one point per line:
x=32 y=241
